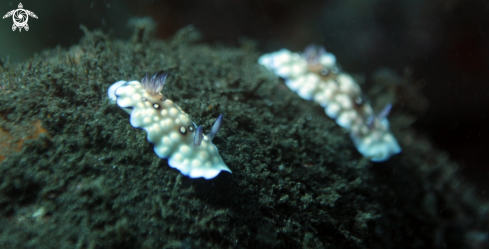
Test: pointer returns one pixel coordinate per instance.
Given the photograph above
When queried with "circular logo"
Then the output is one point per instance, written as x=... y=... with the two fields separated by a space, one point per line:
x=20 y=17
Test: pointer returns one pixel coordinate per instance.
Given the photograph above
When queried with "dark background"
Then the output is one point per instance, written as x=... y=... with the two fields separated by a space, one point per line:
x=444 y=44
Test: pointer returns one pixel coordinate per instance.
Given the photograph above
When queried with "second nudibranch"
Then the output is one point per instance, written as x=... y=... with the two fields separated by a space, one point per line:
x=169 y=128
x=314 y=75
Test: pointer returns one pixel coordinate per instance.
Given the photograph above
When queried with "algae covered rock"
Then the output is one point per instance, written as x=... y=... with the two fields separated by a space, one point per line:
x=89 y=180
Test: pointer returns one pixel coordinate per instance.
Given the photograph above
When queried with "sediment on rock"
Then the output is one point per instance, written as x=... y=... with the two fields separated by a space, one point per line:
x=93 y=181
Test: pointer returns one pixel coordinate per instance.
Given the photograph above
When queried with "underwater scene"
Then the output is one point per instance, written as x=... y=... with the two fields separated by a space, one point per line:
x=188 y=124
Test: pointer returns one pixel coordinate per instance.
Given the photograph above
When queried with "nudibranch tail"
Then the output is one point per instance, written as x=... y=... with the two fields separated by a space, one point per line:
x=112 y=89
x=314 y=75
x=168 y=127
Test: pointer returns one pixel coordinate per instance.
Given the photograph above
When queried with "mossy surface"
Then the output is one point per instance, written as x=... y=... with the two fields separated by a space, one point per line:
x=93 y=181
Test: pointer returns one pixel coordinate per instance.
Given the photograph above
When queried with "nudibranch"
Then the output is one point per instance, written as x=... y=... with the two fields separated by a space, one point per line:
x=314 y=75
x=169 y=129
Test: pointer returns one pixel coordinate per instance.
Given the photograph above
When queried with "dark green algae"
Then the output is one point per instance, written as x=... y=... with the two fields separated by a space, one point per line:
x=298 y=182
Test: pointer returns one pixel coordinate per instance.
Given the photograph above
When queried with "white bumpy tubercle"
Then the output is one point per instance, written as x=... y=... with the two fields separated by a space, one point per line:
x=168 y=128
x=315 y=76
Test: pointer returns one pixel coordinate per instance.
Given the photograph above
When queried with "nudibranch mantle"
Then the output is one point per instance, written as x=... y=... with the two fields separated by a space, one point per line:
x=315 y=76
x=169 y=128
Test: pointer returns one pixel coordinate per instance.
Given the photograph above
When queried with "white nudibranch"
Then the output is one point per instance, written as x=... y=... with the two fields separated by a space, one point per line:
x=315 y=76
x=170 y=130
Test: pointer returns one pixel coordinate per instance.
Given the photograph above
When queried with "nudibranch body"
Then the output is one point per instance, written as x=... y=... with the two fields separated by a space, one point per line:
x=169 y=128
x=315 y=76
